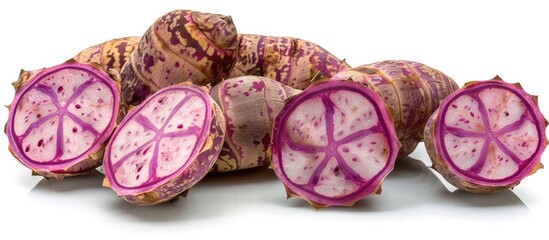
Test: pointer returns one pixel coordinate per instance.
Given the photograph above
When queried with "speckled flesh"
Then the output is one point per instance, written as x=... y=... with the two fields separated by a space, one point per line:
x=333 y=144
x=486 y=137
x=413 y=91
x=182 y=45
x=59 y=121
x=250 y=104
x=164 y=146
x=292 y=61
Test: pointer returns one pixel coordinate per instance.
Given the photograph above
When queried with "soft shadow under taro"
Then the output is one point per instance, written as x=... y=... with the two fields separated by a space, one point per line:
x=410 y=185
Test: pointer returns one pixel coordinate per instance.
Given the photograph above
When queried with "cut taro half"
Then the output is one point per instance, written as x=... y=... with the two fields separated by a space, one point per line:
x=164 y=146
x=487 y=136
x=59 y=121
x=333 y=144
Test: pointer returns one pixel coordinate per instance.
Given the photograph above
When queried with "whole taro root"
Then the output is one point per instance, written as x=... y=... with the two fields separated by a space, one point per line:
x=487 y=136
x=164 y=146
x=111 y=54
x=412 y=90
x=181 y=45
x=250 y=104
x=59 y=121
x=333 y=144
x=292 y=61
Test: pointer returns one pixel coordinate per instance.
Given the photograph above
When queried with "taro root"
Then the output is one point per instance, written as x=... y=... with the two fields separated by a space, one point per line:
x=59 y=121
x=111 y=54
x=164 y=146
x=487 y=136
x=181 y=45
x=250 y=104
x=292 y=61
x=333 y=144
x=412 y=90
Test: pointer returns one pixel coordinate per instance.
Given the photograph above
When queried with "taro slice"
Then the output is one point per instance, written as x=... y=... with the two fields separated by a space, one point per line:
x=164 y=146
x=333 y=144
x=59 y=121
x=488 y=136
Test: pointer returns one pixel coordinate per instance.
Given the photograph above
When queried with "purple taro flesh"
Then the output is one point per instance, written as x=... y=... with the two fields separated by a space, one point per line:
x=487 y=136
x=164 y=146
x=59 y=121
x=333 y=144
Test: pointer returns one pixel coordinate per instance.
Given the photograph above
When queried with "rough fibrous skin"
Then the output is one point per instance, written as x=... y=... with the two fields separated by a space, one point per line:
x=24 y=77
x=333 y=144
x=181 y=45
x=111 y=54
x=487 y=136
x=59 y=121
x=164 y=146
x=250 y=104
x=292 y=61
x=413 y=91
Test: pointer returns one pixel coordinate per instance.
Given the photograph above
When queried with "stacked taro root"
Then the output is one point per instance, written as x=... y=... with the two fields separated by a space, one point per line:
x=192 y=96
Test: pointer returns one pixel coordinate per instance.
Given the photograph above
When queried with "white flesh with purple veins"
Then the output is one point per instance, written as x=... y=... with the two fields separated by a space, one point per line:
x=333 y=144
x=158 y=139
x=488 y=134
x=307 y=124
x=62 y=114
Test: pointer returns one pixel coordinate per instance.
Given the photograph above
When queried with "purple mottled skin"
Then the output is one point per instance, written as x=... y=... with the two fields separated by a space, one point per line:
x=60 y=120
x=292 y=61
x=413 y=91
x=164 y=146
x=180 y=46
x=333 y=144
x=486 y=137
x=250 y=105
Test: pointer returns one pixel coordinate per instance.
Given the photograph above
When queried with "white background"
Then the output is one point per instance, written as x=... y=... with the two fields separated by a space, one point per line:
x=467 y=40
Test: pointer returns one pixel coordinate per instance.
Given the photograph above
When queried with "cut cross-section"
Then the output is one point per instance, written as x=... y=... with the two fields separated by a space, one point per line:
x=164 y=146
x=333 y=144
x=60 y=119
x=486 y=137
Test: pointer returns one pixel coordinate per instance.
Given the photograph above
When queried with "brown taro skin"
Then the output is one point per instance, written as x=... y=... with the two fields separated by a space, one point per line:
x=412 y=90
x=181 y=45
x=111 y=54
x=484 y=142
x=24 y=77
x=250 y=105
x=292 y=61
